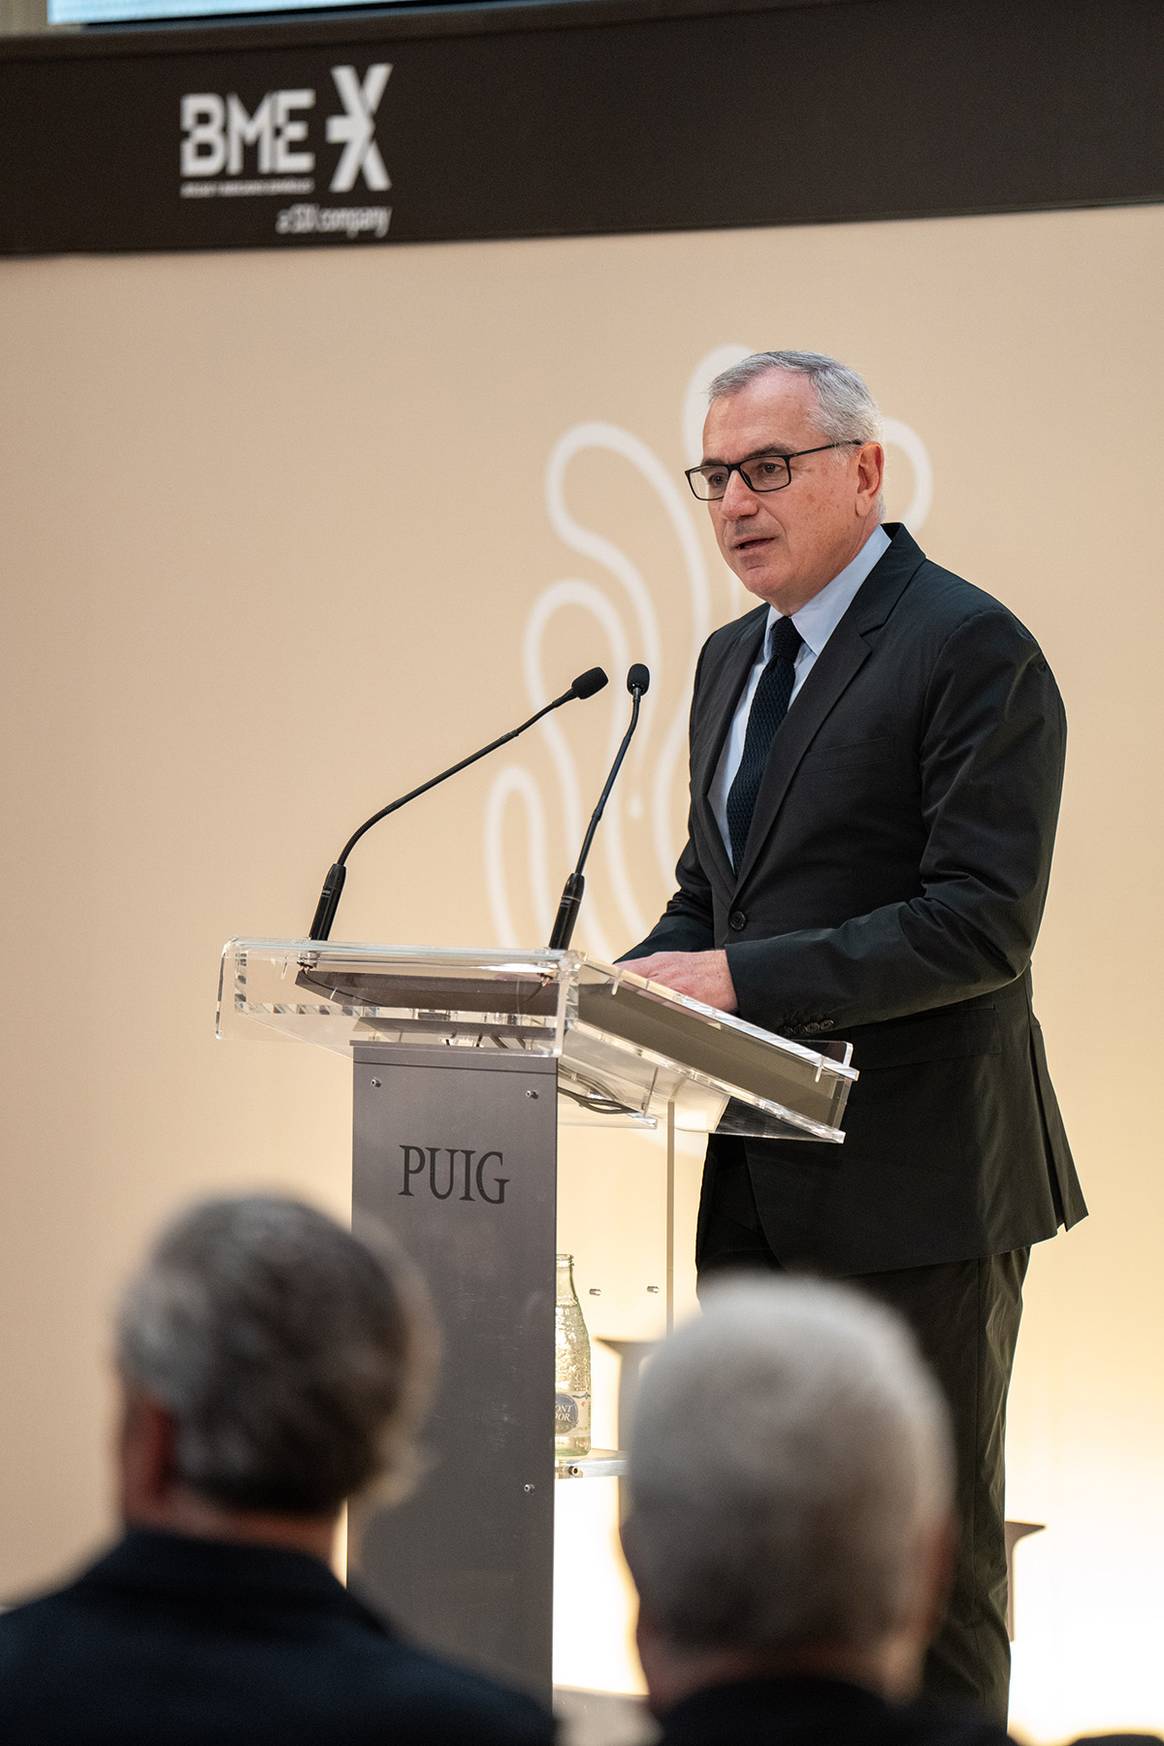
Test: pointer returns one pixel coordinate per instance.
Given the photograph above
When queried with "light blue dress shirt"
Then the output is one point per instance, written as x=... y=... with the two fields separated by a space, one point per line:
x=816 y=622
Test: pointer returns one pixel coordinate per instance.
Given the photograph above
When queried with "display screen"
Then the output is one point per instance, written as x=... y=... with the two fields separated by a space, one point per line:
x=139 y=11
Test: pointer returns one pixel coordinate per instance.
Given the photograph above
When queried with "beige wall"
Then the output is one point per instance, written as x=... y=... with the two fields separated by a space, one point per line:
x=20 y=16
x=247 y=600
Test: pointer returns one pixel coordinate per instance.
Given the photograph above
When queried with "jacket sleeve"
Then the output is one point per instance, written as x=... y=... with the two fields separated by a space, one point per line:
x=686 y=923
x=991 y=753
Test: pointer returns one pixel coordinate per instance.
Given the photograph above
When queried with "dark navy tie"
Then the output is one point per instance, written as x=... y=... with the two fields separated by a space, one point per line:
x=769 y=707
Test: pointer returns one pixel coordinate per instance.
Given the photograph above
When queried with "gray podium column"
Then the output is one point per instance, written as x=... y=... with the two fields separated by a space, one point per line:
x=455 y=1150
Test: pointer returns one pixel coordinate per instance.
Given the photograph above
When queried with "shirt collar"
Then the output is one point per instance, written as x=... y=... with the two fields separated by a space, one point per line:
x=819 y=617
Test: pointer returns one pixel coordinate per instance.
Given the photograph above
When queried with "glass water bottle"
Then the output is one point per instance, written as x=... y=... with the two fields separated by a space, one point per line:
x=571 y=1367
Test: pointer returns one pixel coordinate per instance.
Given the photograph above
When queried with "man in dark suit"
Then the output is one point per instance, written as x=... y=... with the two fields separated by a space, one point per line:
x=271 y=1365
x=876 y=762
x=789 y=1529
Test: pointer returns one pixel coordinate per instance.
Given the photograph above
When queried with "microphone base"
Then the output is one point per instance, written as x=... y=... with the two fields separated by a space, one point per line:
x=567 y=913
x=328 y=902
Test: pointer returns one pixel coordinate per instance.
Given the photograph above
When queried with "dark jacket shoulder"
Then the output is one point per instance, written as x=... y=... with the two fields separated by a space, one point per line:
x=812 y=1711
x=904 y=589
x=167 y=1639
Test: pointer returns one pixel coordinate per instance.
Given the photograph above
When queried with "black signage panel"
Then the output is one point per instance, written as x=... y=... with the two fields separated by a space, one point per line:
x=567 y=119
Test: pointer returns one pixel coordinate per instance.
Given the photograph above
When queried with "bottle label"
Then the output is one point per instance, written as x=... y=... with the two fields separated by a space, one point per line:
x=565 y=1413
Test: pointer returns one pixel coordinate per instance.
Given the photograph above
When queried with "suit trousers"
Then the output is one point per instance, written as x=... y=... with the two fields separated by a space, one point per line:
x=965 y=1317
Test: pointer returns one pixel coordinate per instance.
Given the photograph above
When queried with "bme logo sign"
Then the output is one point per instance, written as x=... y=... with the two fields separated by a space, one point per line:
x=222 y=138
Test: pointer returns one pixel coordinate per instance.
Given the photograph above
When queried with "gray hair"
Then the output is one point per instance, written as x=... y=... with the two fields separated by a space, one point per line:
x=789 y=1457
x=847 y=409
x=294 y=1358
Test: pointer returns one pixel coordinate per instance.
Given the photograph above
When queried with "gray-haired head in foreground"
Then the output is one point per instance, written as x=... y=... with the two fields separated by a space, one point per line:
x=789 y=1461
x=294 y=1358
x=847 y=409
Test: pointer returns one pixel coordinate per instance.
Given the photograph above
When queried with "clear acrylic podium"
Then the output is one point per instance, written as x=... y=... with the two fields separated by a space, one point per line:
x=464 y=1064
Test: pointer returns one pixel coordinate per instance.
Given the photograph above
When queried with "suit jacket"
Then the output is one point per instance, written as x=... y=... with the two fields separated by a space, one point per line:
x=801 y=1711
x=890 y=892
x=169 y=1640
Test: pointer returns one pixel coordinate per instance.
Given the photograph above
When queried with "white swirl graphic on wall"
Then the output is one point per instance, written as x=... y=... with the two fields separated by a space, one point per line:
x=902 y=436
x=629 y=614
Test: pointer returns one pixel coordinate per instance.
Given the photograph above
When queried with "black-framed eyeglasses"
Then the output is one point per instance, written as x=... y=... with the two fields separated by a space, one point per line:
x=758 y=472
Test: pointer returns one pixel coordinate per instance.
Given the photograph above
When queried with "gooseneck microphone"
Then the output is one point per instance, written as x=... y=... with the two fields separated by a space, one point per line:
x=638 y=680
x=585 y=685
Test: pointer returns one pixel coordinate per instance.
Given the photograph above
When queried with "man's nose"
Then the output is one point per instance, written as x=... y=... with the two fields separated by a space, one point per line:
x=738 y=498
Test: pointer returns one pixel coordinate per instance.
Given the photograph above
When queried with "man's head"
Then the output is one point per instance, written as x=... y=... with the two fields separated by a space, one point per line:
x=790 y=1493
x=272 y=1364
x=786 y=544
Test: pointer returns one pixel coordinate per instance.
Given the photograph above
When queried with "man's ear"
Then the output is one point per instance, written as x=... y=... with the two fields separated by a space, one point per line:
x=938 y=1557
x=626 y=1535
x=662 y=1669
x=931 y=1575
x=870 y=476
x=146 y=1454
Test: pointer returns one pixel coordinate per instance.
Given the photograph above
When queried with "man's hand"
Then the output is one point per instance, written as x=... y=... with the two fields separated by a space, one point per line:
x=703 y=975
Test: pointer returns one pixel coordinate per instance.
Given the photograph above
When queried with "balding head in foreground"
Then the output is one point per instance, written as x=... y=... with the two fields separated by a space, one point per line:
x=790 y=1486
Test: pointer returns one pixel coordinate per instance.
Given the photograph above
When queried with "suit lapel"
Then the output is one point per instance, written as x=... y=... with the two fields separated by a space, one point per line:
x=839 y=662
x=717 y=705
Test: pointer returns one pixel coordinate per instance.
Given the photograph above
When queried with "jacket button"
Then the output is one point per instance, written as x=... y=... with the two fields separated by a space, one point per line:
x=737 y=920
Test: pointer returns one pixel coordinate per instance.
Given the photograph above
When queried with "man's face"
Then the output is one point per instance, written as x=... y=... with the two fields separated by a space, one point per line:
x=786 y=545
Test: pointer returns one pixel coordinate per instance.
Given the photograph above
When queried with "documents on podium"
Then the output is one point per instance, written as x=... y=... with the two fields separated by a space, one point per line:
x=464 y=1062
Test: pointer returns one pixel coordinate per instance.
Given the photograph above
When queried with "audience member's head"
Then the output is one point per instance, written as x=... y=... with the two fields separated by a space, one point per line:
x=790 y=1486
x=272 y=1364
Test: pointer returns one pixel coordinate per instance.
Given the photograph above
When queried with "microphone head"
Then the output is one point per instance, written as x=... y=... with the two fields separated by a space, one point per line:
x=638 y=679
x=589 y=682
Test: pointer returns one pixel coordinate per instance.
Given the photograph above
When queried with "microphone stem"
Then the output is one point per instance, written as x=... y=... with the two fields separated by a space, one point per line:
x=636 y=699
x=394 y=805
x=571 y=899
x=334 y=883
